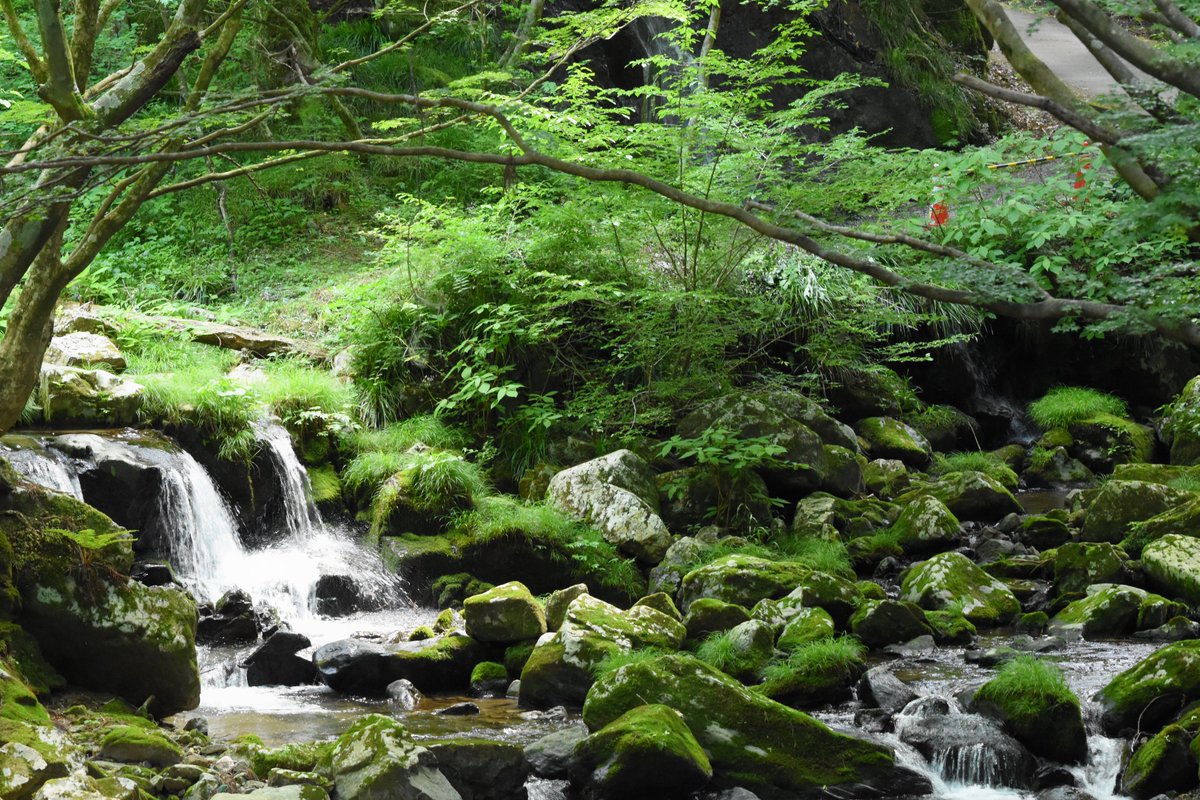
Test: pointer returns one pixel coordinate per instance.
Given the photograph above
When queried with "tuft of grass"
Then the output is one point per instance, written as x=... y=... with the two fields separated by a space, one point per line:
x=843 y=656
x=1025 y=686
x=580 y=546
x=720 y=650
x=819 y=554
x=1186 y=483
x=400 y=436
x=989 y=464
x=431 y=480
x=294 y=386
x=368 y=471
x=1066 y=404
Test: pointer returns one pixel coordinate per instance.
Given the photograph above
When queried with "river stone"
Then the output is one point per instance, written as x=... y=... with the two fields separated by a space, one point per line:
x=751 y=645
x=626 y=519
x=742 y=580
x=137 y=743
x=680 y=556
x=23 y=770
x=559 y=671
x=1108 y=611
x=1148 y=694
x=1118 y=504
x=550 y=755
x=836 y=595
x=805 y=626
x=82 y=318
x=969 y=495
x=133 y=640
x=1181 y=425
x=968 y=744
x=887 y=437
x=750 y=740
x=275 y=663
x=1056 y=468
x=505 y=613
x=843 y=471
x=559 y=600
x=482 y=769
x=1077 y=565
x=440 y=664
x=880 y=688
x=810 y=683
x=647 y=751
x=1049 y=725
x=661 y=601
x=886 y=477
x=623 y=469
x=1164 y=763
x=69 y=395
x=84 y=350
x=882 y=622
x=709 y=615
x=952 y=581
x=926 y=524
x=1172 y=566
x=377 y=759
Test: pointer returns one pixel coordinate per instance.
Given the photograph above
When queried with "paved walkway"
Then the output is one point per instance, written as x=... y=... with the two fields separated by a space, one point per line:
x=1053 y=42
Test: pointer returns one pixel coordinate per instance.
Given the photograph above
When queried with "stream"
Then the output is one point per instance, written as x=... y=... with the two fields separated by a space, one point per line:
x=204 y=545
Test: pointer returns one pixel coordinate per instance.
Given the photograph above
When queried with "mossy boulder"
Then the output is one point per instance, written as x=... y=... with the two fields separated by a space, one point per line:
x=805 y=626
x=824 y=516
x=1181 y=425
x=75 y=396
x=1148 y=694
x=1035 y=706
x=1120 y=503
x=690 y=495
x=886 y=477
x=506 y=613
x=969 y=495
x=1183 y=519
x=617 y=495
x=748 y=648
x=647 y=751
x=946 y=427
x=950 y=627
x=1104 y=440
x=926 y=524
x=708 y=615
x=808 y=684
x=481 y=769
x=1054 y=466
x=879 y=623
x=750 y=740
x=24 y=770
x=560 y=668
x=953 y=581
x=377 y=759
x=405 y=505
x=1163 y=763
x=1077 y=565
x=558 y=602
x=18 y=702
x=1155 y=473
x=295 y=757
x=661 y=601
x=887 y=437
x=442 y=663
x=843 y=471
x=1172 y=566
x=137 y=743
x=742 y=580
x=488 y=678
x=1107 y=611
x=1045 y=531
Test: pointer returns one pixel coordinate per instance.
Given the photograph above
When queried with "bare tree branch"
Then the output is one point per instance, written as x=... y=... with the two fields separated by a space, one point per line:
x=1177 y=19
x=36 y=66
x=1097 y=132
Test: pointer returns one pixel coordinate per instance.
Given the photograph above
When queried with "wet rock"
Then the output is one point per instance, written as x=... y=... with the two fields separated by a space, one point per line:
x=646 y=751
x=970 y=749
x=153 y=574
x=1051 y=776
x=550 y=755
x=1172 y=566
x=880 y=688
x=439 y=664
x=843 y=473
x=1120 y=503
x=661 y=601
x=886 y=477
x=275 y=663
x=465 y=709
x=709 y=615
x=377 y=757
x=559 y=670
x=1045 y=531
x=952 y=580
x=969 y=496
x=879 y=623
x=950 y=627
x=489 y=679
x=1077 y=565
x=1151 y=692
x=1064 y=793
x=139 y=744
x=1164 y=763
x=887 y=437
x=741 y=580
x=231 y=621
x=617 y=495
x=506 y=613
x=1043 y=716
x=338 y=595
x=1056 y=468
x=1173 y=630
x=1109 y=610
x=748 y=738
x=481 y=769
x=914 y=648
x=402 y=694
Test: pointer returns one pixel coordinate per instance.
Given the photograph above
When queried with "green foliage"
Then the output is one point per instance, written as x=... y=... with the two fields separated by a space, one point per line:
x=430 y=479
x=729 y=459
x=1025 y=685
x=623 y=658
x=842 y=656
x=721 y=650
x=979 y=461
x=1066 y=404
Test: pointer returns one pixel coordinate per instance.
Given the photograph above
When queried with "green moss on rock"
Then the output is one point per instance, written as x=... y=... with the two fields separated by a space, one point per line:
x=1119 y=503
x=1147 y=694
x=952 y=581
x=506 y=613
x=1032 y=700
x=1172 y=565
x=137 y=743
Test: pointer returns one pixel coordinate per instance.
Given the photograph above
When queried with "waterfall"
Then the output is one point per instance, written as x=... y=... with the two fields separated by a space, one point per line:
x=300 y=517
x=45 y=467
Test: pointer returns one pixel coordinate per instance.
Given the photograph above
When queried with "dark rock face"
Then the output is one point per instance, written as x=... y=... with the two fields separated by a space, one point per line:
x=231 y=621
x=353 y=666
x=275 y=662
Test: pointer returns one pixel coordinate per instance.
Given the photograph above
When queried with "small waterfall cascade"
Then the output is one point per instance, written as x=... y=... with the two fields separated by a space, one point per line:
x=988 y=401
x=653 y=41
x=41 y=465
x=300 y=516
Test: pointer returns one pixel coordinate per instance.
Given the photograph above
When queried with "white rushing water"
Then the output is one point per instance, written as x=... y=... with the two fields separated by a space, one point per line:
x=45 y=467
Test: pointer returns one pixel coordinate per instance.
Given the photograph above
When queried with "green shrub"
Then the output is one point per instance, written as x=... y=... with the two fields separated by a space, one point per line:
x=294 y=386
x=1025 y=685
x=988 y=463
x=397 y=437
x=432 y=479
x=820 y=554
x=1066 y=404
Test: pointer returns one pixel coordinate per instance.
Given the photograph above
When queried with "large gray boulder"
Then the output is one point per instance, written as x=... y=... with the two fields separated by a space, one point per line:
x=1119 y=504
x=617 y=495
x=84 y=350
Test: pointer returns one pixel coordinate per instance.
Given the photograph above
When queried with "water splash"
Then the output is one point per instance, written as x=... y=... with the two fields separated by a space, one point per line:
x=45 y=467
x=300 y=516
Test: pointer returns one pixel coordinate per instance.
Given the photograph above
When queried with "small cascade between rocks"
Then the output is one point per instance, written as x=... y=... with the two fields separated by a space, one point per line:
x=43 y=466
x=987 y=402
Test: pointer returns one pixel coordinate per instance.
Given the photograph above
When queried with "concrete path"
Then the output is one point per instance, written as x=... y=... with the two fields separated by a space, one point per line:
x=1053 y=42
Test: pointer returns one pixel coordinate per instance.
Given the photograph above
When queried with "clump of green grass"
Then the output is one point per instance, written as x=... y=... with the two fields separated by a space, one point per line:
x=368 y=471
x=819 y=554
x=400 y=436
x=1066 y=404
x=434 y=479
x=293 y=386
x=841 y=656
x=1026 y=686
x=1187 y=483
x=581 y=547
x=989 y=464
x=722 y=650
